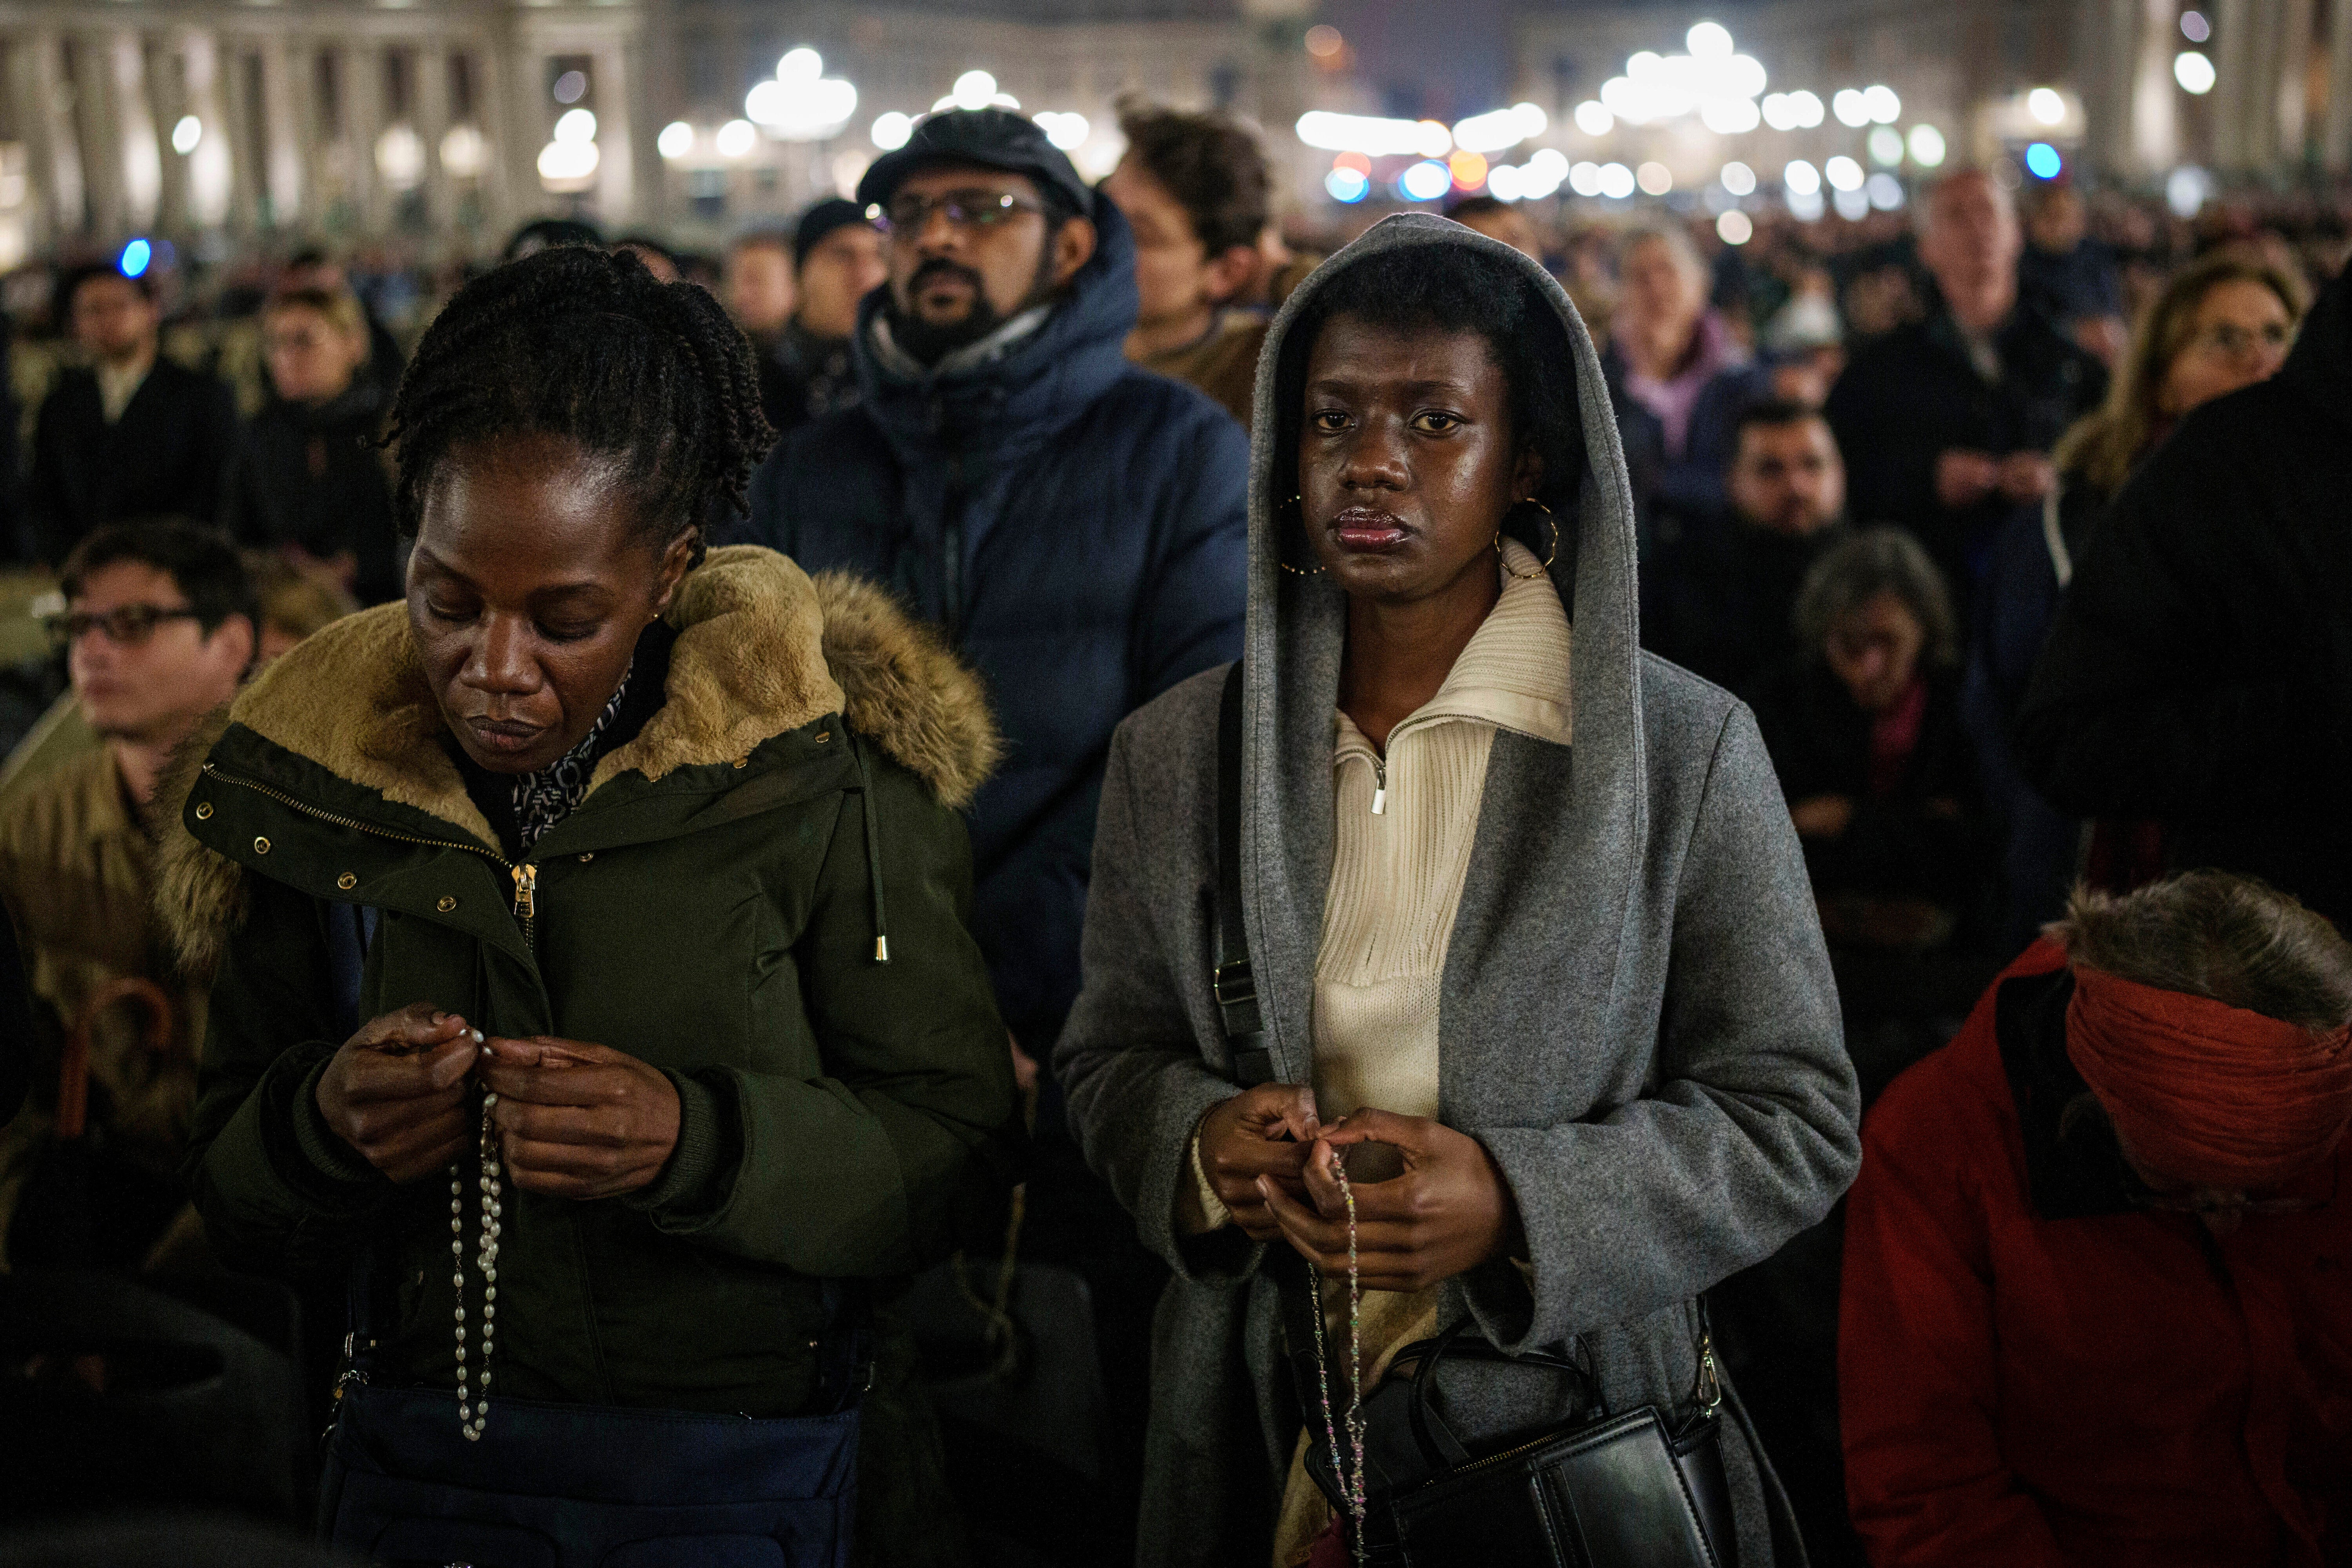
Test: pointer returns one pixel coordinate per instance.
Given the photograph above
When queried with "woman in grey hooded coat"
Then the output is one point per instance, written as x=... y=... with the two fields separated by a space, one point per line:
x=1631 y=1011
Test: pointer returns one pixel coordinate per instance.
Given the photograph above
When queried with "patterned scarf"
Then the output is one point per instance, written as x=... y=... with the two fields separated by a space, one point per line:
x=546 y=797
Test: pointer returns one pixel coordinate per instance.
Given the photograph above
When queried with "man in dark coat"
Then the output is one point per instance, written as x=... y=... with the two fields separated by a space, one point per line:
x=1725 y=596
x=1075 y=524
x=132 y=434
x=1947 y=423
x=2200 y=670
x=806 y=371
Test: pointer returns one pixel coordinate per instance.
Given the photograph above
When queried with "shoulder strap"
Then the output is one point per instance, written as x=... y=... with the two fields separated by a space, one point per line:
x=1234 y=984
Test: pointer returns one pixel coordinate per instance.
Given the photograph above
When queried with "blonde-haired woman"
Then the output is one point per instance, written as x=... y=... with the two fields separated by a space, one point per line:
x=311 y=484
x=2222 y=323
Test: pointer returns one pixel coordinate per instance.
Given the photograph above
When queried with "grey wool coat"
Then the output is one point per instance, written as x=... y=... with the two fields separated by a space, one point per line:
x=1636 y=1016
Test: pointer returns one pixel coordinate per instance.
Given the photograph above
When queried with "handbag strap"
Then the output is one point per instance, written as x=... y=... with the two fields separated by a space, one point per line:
x=1233 y=982
x=1438 y=1443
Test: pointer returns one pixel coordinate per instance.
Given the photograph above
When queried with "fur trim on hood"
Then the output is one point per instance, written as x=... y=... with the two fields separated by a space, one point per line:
x=763 y=648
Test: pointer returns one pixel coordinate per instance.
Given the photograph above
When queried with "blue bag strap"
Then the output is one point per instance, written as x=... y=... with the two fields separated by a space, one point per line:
x=350 y=931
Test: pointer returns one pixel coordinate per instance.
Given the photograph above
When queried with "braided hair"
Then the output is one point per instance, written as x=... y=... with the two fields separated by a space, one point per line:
x=585 y=344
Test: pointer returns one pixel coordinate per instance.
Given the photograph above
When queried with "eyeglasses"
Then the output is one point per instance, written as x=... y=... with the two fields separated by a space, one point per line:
x=2235 y=342
x=127 y=624
x=963 y=209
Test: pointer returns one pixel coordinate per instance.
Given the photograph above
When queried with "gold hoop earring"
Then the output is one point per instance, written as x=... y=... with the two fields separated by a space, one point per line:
x=1298 y=571
x=1546 y=568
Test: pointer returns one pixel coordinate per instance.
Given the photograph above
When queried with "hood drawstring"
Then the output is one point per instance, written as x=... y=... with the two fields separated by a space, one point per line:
x=873 y=850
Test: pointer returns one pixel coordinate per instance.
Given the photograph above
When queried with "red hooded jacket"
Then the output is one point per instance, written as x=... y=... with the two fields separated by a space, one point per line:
x=2035 y=1370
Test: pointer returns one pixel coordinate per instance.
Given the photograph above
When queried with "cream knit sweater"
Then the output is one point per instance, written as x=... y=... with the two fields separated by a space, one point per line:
x=1400 y=851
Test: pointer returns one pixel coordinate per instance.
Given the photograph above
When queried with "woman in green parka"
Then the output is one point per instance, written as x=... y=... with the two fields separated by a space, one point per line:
x=657 y=857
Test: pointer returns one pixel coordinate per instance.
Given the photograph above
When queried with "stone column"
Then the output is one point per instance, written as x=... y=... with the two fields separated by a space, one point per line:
x=616 y=197
x=2235 y=85
x=363 y=122
x=211 y=80
x=135 y=121
x=37 y=66
x=2336 y=136
x=2155 y=121
x=428 y=113
x=288 y=125
x=165 y=71
x=2291 y=71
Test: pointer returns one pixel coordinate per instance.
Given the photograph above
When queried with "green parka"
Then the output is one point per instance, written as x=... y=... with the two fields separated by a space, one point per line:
x=765 y=894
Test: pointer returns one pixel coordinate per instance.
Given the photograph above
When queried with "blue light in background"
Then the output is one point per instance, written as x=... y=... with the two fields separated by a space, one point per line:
x=1425 y=180
x=135 y=257
x=1348 y=185
x=2042 y=161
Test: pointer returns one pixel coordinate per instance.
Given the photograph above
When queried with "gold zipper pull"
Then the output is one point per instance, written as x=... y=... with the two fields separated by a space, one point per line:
x=526 y=881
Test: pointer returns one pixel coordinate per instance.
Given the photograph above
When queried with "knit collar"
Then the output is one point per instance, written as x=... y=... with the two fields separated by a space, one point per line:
x=1513 y=674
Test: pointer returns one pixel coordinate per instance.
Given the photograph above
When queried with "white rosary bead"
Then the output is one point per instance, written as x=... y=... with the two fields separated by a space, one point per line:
x=473 y=1416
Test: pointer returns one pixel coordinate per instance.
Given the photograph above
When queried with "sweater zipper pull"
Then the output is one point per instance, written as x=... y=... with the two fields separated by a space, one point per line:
x=1380 y=785
x=526 y=888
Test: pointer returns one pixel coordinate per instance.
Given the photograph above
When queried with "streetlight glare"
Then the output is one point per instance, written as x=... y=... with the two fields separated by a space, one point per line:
x=892 y=130
x=1926 y=146
x=736 y=138
x=675 y=141
x=973 y=89
x=1737 y=178
x=1882 y=104
x=1735 y=227
x=187 y=134
x=575 y=125
x=2193 y=71
x=1592 y=117
x=1848 y=106
x=1654 y=178
x=800 y=65
x=2045 y=105
x=1885 y=144
x=1801 y=178
x=1843 y=172
x=1708 y=41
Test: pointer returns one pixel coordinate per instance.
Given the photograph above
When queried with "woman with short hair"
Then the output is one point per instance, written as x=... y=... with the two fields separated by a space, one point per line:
x=1571 y=1025
x=310 y=483
x=2098 y=1263
x=593 y=981
x=1864 y=731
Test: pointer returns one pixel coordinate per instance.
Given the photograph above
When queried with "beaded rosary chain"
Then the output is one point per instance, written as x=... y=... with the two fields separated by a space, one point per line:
x=1351 y=1476
x=471 y=1416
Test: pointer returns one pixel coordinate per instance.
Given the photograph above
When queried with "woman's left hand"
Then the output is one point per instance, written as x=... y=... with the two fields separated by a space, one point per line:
x=1449 y=1212
x=577 y=1121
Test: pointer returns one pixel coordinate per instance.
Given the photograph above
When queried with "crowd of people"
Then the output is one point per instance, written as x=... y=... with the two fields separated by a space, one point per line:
x=956 y=831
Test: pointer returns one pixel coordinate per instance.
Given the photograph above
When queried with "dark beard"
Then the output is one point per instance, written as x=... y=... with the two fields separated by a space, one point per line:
x=928 y=342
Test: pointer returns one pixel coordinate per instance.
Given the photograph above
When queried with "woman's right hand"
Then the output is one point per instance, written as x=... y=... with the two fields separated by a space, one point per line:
x=396 y=1090
x=1262 y=1132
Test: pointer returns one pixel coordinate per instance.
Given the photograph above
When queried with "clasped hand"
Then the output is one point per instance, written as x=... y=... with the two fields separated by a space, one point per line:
x=1275 y=1166
x=574 y=1119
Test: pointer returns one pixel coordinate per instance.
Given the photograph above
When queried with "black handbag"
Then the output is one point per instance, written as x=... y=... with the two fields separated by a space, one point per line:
x=1622 y=1490
x=1628 y=1490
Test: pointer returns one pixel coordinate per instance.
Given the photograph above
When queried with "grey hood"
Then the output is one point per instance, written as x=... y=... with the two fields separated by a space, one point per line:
x=1297 y=634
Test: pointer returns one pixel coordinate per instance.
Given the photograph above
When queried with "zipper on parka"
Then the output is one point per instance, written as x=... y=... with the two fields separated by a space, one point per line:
x=525 y=875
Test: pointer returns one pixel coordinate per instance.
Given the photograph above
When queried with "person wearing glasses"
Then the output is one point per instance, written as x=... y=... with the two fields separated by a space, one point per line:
x=2222 y=323
x=1075 y=524
x=2098 y=1263
x=158 y=629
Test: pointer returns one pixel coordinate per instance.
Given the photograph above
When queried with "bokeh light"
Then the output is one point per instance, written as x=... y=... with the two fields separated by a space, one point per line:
x=1737 y=178
x=2042 y=161
x=1734 y=227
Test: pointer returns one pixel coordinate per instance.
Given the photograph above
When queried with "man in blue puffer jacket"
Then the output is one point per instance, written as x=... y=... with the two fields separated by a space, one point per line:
x=1075 y=524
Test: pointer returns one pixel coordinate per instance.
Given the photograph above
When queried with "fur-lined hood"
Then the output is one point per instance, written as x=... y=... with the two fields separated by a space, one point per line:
x=763 y=649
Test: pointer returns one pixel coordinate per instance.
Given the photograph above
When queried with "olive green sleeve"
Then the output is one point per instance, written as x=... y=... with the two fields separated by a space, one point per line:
x=907 y=1144
x=261 y=1163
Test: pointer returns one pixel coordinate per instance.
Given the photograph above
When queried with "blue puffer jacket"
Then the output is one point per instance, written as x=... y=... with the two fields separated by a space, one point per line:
x=1078 y=528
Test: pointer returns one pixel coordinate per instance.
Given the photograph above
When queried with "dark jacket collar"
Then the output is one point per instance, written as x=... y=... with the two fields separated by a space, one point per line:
x=1034 y=388
x=2072 y=1171
x=2320 y=363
